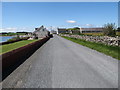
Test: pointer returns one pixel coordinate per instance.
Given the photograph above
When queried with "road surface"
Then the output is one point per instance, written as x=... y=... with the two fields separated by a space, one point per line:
x=61 y=63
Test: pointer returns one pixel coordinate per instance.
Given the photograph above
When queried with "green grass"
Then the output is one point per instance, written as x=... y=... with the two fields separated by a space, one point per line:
x=113 y=51
x=12 y=46
x=99 y=34
x=94 y=34
x=118 y=33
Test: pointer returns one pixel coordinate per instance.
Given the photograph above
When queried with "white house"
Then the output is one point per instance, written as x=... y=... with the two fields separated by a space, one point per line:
x=41 y=32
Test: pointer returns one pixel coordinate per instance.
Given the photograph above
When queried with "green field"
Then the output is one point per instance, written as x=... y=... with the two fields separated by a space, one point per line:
x=99 y=34
x=94 y=34
x=12 y=46
x=113 y=51
x=118 y=33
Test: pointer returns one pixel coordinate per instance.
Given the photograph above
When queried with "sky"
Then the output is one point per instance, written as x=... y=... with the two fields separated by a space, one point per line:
x=60 y=0
x=25 y=16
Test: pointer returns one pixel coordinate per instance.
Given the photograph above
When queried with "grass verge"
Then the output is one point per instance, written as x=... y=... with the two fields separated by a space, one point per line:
x=12 y=46
x=94 y=34
x=108 y=50
x=118 y=33
x=99 y=34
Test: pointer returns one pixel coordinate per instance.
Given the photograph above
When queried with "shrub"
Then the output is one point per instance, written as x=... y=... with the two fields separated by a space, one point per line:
x=109 y=29
x=13 y=39
x=17 y=39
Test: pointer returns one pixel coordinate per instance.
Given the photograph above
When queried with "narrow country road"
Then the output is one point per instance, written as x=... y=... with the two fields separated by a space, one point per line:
x=60 y=63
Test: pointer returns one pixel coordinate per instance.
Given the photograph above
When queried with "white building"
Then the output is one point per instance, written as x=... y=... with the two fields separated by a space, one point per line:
x=41 y=32
x=91 y=30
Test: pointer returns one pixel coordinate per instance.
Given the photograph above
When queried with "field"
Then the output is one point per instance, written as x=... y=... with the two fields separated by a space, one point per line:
x=118 y=33
x=12 y=46
x=108 y=50
x=94 y=34
x=99 y=34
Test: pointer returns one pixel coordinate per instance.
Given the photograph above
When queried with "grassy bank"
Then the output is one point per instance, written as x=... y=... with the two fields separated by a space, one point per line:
x=12 y=46
x=91 y=34
x=118 y=33
x=94 y=34
x=99 y=34
x=108 y=50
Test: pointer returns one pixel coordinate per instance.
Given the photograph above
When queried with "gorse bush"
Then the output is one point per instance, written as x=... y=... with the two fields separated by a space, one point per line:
x=109 y=29
x=17 y=39
x=13 y=39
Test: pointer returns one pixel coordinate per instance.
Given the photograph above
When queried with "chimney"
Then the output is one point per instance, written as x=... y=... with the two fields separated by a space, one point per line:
x=36 y=29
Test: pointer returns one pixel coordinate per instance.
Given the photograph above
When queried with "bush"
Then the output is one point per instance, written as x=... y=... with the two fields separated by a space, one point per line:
x=109 y=29
x=17 y=39
x=13 y=39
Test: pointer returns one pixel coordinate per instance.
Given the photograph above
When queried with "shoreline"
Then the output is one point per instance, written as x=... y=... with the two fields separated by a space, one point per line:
x=6 y=36
x=5 y=40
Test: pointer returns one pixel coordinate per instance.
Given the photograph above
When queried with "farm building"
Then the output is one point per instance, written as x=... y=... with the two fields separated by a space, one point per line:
x=53 y=32
x=90 y=30
x=41 y=32
x=62 y=30
x=80 y=30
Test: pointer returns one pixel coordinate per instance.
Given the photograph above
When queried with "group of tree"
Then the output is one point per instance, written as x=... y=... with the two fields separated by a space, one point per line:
x=118 y=29
x=109 y=29
x=75 y=28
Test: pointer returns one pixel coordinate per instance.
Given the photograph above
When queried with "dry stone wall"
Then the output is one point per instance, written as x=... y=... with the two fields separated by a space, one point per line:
x=114 y=41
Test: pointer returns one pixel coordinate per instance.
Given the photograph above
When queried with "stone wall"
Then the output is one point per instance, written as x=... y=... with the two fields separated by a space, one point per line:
x=114 y=41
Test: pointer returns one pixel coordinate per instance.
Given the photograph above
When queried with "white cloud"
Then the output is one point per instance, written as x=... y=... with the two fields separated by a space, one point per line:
x=99 y=26
x=90 y=25
x=71 y=21
x=13 y=29
x=1 y=29
x=51 y=28
x=10 y=29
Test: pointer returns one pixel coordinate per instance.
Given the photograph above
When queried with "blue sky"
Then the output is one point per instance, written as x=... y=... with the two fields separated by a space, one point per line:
x=25 y=16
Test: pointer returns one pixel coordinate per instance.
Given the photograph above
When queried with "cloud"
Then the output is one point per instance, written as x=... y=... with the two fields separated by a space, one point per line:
x=8 y=29
x=13 y=29
x=1 y=29
x=51 y=28
x=71 y=21
x=99 y=26
x=90 y=25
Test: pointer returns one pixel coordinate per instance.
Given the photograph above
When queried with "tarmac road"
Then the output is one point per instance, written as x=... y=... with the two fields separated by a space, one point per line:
x=60 y=63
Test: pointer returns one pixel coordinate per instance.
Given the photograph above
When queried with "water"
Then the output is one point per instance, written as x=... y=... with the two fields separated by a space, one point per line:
x=5 y=38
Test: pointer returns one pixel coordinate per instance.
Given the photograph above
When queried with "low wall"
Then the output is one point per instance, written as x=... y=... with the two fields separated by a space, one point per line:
x=19 y=55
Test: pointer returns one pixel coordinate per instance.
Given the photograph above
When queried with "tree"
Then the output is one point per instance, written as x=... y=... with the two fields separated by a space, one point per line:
x=118 y=29
x=75 y=28
x=109 y=29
